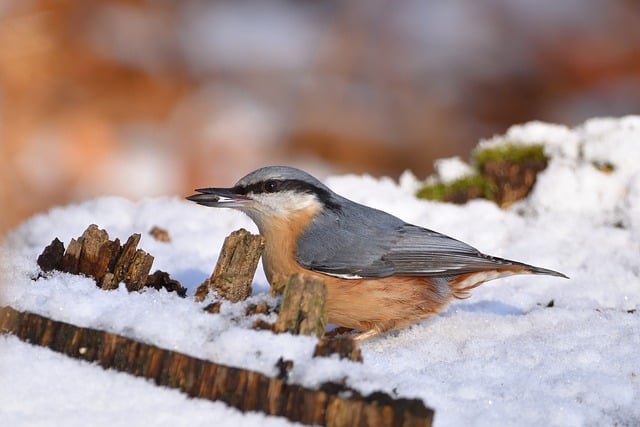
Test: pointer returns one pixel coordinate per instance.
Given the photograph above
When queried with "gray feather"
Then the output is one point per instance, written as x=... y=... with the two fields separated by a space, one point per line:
x=334 y=244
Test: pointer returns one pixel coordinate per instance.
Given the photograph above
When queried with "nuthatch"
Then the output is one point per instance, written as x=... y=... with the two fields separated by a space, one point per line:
x=381 y=273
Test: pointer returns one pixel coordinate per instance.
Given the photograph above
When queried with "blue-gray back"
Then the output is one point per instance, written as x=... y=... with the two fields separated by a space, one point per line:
x=360 y=241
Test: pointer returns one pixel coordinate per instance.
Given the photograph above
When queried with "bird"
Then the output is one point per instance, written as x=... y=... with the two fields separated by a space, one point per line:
x=381 y=272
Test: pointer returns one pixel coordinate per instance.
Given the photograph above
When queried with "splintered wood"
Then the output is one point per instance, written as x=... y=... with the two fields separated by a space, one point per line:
x=232 y=277
x=302 y=310
x=344 y=347
x=331 y=405
x=94 y=255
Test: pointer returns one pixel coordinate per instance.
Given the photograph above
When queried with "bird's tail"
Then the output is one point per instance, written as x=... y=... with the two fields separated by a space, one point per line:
x=462 y=284
x=522 y=268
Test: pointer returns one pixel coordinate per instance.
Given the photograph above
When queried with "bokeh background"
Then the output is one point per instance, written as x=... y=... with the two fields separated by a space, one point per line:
x=148 y=98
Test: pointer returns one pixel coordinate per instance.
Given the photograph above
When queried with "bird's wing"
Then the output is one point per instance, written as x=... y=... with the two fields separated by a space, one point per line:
x=375 y=244
x=422 y=252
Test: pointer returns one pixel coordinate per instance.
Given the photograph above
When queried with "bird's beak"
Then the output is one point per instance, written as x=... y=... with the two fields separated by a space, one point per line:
x=219 y=198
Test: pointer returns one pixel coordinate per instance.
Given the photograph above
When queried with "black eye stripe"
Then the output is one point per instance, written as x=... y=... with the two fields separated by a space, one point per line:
x=282 y=185
x=277 y=185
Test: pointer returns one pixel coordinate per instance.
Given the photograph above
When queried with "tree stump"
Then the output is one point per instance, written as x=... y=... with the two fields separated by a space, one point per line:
x=236 y=266
x=302 y=310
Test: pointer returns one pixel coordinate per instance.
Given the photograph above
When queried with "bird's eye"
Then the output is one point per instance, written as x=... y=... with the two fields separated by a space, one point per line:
x=270 y=186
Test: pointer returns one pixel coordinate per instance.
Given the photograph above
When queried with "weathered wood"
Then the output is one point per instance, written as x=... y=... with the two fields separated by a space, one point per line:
x=236 y=266
x=125 y=260
x=160 y=234
x=332 y=405
x=91 y=241
x=108 y=282
x=261 y=308
x=161 y=280
x=138 y=270
x=52 y=256
x=94 y=255
x=302 y=310
x=262 y=325
x=513 y=180
x=213 y=307
x=344 y=347
x=71 y=259
x=107 y=255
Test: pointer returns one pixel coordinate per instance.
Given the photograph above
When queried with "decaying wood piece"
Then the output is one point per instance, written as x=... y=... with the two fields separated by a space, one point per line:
x=160 y=234
x=161 y=280
x=513 y=180
x=332 y=405
x=344 y=347
x=232 y=277
x=302 y=310
x=94 y=255
x=51 y=257
x=130 y=266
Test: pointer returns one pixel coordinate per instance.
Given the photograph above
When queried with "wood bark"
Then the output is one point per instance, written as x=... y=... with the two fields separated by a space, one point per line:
x=160 y=234
x=331 y=405
x=513 y=180
x=232 y=277
x=109 y=263
x=302 y=310
x=344 y=347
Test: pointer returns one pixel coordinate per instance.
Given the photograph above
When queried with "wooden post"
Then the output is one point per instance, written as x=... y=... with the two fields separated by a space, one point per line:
x=331 y=405
x=236 y=266
x=302 y=309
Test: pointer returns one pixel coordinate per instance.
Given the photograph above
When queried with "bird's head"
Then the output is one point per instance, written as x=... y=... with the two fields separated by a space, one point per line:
x=272 y=192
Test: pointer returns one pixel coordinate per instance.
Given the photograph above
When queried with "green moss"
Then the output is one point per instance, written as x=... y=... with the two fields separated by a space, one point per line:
x=514 y=153
x=494 y=177
x=458 y=191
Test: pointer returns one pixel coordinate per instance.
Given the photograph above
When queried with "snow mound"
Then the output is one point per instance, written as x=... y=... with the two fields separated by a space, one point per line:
x=522 y=350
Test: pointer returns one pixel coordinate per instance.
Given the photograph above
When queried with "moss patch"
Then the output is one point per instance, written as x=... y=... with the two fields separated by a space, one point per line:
x=509 y=152
x=459 y=191
x=503 y=174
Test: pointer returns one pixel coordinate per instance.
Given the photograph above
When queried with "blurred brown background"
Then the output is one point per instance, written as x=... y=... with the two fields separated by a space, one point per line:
x=146 y=98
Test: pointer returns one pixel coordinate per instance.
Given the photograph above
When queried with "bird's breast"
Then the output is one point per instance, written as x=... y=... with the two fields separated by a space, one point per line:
x=281 y=235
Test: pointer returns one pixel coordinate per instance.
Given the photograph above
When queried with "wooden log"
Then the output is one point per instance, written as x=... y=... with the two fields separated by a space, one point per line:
x=302 y=310
x=331 y=405
x=236 y=266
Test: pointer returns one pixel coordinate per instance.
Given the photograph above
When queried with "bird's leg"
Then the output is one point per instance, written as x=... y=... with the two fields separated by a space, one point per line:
x=366 y=334
x=378 y=328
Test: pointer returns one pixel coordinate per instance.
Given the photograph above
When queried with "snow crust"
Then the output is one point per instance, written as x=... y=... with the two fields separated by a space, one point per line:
x=525 y=350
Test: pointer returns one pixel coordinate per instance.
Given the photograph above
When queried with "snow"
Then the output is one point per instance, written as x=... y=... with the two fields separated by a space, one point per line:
x=525 y=350
x=452 y=169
